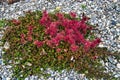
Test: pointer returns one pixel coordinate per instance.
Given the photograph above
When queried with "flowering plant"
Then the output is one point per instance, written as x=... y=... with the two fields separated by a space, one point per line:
x=56 y=41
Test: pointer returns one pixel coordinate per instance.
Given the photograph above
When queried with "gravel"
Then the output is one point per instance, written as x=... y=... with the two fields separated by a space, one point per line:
x=105 y=13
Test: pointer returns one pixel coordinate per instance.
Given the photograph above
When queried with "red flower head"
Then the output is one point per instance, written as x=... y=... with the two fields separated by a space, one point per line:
x=65 y=23
x=45 y=20
x=60 y=16
x=72 y=14
x=23 y=41
x=60 y=36
x=83 y=27
x=45 y=13
x=95 y=42
x=22 y=35
x=30 y=30
x=95 y=57
x=55 y=41
x=52 y=30
x=75 y=25
x=85 y=18
x=38 y=43
x=69 y=39
x=16 y=22
x=69 y=31
x=29 y=38
x=58 y=50
x=74 y=47
x=98 y=40
x=79 y=37
x=49 y=43
x=87 y=45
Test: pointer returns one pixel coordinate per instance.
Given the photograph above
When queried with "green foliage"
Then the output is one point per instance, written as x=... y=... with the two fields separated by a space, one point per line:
x=27 y=59
x=2 y=23
x=83 y=6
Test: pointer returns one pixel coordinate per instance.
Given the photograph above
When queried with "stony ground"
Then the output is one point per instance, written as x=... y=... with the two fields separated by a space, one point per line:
x=104 y=13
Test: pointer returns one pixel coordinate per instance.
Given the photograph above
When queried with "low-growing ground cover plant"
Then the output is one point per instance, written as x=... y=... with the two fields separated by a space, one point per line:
x=53 y=40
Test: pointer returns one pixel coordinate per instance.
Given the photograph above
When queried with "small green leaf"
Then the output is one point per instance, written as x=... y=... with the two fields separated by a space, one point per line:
x=2 y=23
x=83 y=6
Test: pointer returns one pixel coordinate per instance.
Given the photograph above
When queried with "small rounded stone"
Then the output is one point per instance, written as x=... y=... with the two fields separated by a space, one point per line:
x=118 y=65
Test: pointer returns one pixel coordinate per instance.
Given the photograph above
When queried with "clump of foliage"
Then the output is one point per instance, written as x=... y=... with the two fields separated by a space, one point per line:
x=53 y=40
x=2 y=23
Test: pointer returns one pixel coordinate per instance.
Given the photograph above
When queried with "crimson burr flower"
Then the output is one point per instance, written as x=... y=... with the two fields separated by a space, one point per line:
x=29 y=38
x=65 y=23
x=52 y=30
x=69 y=31
x=69 y=39
x=95 y=42
x=49 y=43
x=30 y=28
x=95 y=57
x=60 y=16
x=73 y=32
x=60 y=36
x=79 y=37
x=38 y=43
x=58 y=50
x=85 y=18
x=22 y=36
x=45 y=20
x=74 y=47
x=87 y=45
x=55 y=41
x=72 y=14
x=16 y=22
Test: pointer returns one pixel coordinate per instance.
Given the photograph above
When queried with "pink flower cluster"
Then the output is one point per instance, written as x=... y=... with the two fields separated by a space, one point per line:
x=28 y=37
x=22 y=36
x=38 y=43
x=16 y=22
x=73 y=32
x=45 y=20
x=30 y=32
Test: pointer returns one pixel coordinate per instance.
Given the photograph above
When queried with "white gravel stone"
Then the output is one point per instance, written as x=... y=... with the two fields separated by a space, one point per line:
x=8 y=66
x=6 y=45
x=118 y=24
x=119 y=38
x=118 y=65
x=66 y=78
x=8 y=78
x=2 y=9
x=115 y=0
